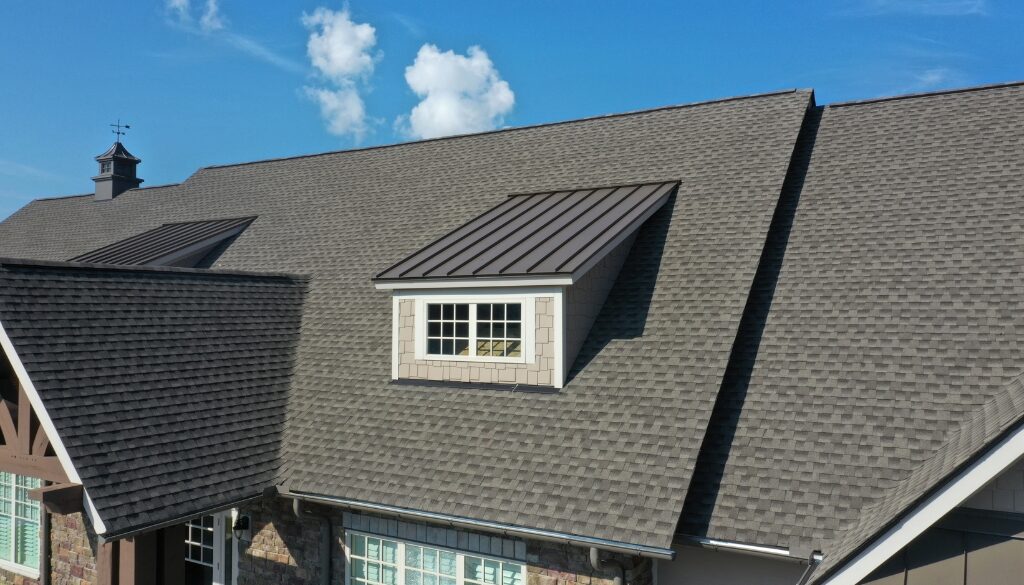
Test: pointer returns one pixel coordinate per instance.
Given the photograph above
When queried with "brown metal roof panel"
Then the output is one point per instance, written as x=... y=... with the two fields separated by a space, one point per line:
x=570 y=242
x=600 y=237
x=156 y=243
x=553 y=226
x=447 y=242
x=455 y=266
x=501 y=253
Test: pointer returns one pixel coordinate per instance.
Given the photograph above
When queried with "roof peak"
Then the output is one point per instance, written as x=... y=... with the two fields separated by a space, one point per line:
x=939 y=92
x=117 y=150
x=518 y=128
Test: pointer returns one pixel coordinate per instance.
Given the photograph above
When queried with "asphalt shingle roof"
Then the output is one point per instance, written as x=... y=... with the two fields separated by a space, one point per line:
x=167 y=387
x=896 y=315
x=608 y=456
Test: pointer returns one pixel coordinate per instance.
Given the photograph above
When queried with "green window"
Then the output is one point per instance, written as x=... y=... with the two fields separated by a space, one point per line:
x=19 y=521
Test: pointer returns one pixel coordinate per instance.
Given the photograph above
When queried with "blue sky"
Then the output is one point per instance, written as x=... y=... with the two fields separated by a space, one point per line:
x=217 y=81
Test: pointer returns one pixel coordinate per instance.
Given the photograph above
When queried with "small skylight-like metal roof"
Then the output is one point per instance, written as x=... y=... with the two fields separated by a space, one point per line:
x=557 y=233
x=167 y=243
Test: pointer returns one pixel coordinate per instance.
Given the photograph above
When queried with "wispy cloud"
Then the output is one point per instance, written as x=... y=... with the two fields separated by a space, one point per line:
x=408 y=23
x=12 y=168
x=341 y=52
x=209 y=22
x=459 y=93
x=920 y=7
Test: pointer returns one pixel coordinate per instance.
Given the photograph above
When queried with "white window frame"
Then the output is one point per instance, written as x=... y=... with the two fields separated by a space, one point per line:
x=528 y=355
x=11 y=565
x=219 y=542
x=460 y=557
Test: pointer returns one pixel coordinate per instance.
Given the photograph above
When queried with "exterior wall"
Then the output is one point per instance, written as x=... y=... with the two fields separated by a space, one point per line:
x=286 y=550
x=538 y=373
x=72 y=553
x=583 y=300
x=72 y=550
x=701 y=566
x=1003 y=494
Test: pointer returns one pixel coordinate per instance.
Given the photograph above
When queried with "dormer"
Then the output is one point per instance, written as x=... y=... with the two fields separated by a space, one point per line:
x=509 y=297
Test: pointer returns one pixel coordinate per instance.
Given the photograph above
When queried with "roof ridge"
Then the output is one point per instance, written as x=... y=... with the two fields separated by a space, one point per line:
x=516 y=128
x=589 y=188
x=52 y=197
x=89 y=266
x=924 y=94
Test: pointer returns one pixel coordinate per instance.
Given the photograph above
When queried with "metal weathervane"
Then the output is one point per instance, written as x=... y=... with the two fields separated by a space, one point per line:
x=119 y=129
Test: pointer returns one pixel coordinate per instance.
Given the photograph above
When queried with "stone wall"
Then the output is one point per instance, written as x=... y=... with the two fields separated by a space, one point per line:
x=538 y=373
x=72 y=550
x=286 y=550
x=72 y=553
x=1003 y=494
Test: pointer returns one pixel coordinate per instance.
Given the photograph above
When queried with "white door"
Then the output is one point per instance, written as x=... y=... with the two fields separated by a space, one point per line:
x=205 y=540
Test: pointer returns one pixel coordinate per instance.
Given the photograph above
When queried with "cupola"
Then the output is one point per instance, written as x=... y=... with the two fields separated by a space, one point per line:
x=116 y=172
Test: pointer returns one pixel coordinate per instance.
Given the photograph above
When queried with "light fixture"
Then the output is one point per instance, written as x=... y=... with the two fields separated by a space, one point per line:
x=240 y=527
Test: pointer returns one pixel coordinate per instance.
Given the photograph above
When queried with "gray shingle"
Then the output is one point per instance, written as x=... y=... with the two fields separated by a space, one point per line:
x=897 y=314
x=167 y=387
x=608 y=456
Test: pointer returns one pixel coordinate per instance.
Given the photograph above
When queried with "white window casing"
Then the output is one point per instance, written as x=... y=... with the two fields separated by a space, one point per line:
x=371 y=559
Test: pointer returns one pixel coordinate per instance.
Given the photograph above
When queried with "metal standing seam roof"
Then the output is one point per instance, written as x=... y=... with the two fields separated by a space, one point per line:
x=555 y=232
x=160 y=242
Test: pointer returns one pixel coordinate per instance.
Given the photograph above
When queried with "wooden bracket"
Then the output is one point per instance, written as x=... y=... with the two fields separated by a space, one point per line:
x=62 y=498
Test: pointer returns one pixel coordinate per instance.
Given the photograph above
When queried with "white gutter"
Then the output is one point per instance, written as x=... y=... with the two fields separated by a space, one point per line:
x=776 y=552
x=665 y=554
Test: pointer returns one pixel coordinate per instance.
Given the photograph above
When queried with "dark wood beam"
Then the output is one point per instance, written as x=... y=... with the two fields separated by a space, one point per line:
x=47 y=468
x=63 y=498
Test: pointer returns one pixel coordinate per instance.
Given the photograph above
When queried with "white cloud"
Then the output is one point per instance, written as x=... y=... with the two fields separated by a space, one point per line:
x=925 y=7
x=341 y=52
x=210 y=23
x=337 y=47
x=460 y=93
x=211 y=19
x=342 y=109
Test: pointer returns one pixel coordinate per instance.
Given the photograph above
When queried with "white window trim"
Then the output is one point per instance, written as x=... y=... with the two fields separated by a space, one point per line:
x=528 y=320
x=460 y=556
x=557 y=293
x=25 y=570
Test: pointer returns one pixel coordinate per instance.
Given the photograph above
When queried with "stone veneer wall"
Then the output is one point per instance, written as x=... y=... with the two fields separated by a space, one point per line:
x=1003 y=494
x=285 y=550
x=72 y=553
x=538 y=373
x=583 y=300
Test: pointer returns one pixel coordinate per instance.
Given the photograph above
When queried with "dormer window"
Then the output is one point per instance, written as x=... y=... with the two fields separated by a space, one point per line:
x=509 y=297
x=481 y=330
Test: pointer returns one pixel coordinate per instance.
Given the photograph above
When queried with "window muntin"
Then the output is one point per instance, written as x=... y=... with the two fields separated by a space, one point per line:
x=105 y=166
x=19 y=521
x=499 y=329
x=199 y=541
x=376 y=560
x=448 y=328
x=475 y=329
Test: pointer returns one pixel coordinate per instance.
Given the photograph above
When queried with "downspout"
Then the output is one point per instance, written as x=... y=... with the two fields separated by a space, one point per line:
x=811 y=565
x=44 y=543
x=605 y=564
x=44 y=547
x=325 y=541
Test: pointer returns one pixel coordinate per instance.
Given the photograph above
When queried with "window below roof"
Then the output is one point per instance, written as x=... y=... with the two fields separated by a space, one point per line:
x=487 y=337
x=371 y=560
x=482 y=330
x=19 y=524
